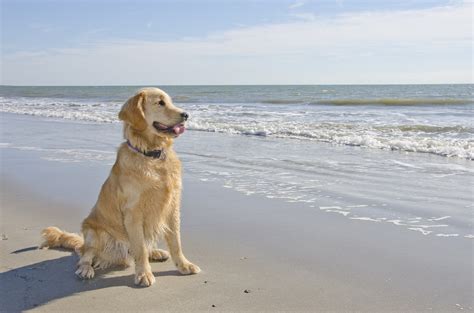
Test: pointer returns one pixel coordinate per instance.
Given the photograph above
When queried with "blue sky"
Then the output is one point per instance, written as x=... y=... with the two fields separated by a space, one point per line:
x=235 y=42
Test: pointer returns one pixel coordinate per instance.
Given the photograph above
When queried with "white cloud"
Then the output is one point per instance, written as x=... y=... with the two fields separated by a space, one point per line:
x=424 y=46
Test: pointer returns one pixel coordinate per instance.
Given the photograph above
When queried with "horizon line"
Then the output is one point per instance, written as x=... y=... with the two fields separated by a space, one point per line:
x=237 y=85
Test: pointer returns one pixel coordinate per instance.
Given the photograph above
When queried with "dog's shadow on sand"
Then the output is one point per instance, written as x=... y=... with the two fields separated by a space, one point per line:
x=33 y=285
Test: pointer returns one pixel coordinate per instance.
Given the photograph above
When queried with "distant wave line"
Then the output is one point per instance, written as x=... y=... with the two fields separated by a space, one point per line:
x=394 y=101
x=253 y=101
x=339 y=102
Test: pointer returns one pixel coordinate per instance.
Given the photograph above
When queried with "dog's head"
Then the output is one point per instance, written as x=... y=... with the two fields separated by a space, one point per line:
x=152 y=109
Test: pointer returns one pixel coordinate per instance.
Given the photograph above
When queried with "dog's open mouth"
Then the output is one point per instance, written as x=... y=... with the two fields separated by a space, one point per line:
x=177 y=129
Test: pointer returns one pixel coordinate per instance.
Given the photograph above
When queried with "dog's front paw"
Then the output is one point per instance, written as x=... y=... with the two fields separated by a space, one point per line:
x=187 y=268
x=144 y=279
x=85 y=271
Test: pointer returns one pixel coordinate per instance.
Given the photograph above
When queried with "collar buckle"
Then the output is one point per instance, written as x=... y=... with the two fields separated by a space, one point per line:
x=156 y=154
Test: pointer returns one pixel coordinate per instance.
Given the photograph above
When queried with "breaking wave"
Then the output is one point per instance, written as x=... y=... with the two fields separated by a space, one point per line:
x=393 y=102
x=390 y=138
x=379 y=128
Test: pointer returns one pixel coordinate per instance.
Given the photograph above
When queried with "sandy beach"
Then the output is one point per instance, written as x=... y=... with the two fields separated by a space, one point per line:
x=326 y=151
x=257 y=254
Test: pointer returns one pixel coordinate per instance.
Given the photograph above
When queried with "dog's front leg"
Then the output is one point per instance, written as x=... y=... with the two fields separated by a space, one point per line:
x=134 y=226
x=173 y=240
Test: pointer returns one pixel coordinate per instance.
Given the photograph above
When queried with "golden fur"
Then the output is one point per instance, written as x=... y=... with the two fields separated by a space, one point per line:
x=139 y=202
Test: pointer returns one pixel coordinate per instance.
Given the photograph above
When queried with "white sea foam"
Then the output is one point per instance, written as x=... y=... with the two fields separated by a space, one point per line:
x=421 y=230
x=330 y=208
x=368 y=219
x=62 y=109
x=337 y=127
x=438 y=218
x=447 y=235
x=397 y=222
x=335 y=209
x=432 y=226
x=345 y=213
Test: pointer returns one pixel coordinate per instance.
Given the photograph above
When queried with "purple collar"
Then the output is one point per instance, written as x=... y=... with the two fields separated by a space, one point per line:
x=155 y=154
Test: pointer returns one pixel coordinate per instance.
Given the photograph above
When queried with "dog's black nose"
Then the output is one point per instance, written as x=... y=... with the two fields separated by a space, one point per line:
x=185 y=116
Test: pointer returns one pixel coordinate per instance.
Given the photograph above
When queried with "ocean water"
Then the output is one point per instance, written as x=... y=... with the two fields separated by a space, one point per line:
x=399 y=156
x=433 y=119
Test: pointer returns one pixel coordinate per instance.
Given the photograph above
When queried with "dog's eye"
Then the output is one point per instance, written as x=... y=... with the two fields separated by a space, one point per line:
x=162 y=103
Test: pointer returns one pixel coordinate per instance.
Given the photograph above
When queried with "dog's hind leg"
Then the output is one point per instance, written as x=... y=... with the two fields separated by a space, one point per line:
x=84 y=266
x=159 y=255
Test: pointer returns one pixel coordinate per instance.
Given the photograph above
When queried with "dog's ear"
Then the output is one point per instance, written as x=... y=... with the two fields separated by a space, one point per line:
x=132 y=112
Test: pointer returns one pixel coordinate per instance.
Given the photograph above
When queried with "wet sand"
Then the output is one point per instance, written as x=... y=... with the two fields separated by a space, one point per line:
x=257 y=254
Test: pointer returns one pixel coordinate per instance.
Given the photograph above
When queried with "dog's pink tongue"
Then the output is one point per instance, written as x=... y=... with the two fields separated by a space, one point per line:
x=178 y=129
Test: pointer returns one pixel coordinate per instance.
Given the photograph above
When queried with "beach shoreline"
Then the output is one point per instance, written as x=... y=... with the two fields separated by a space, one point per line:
x=288 y=256
x=276 y=224
x=326 y=151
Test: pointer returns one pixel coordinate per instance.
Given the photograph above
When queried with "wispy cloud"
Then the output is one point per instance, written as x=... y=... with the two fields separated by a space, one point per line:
x=304 y=16
x=429 y=45
x=297 y=4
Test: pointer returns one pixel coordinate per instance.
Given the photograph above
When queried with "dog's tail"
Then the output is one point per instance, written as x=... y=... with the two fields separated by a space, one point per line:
x=56 y=238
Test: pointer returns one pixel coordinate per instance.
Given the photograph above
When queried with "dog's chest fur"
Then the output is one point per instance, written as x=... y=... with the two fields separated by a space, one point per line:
x=149 y=186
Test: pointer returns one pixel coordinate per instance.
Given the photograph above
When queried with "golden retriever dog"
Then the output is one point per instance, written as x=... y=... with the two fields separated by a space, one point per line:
x=139 y=203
